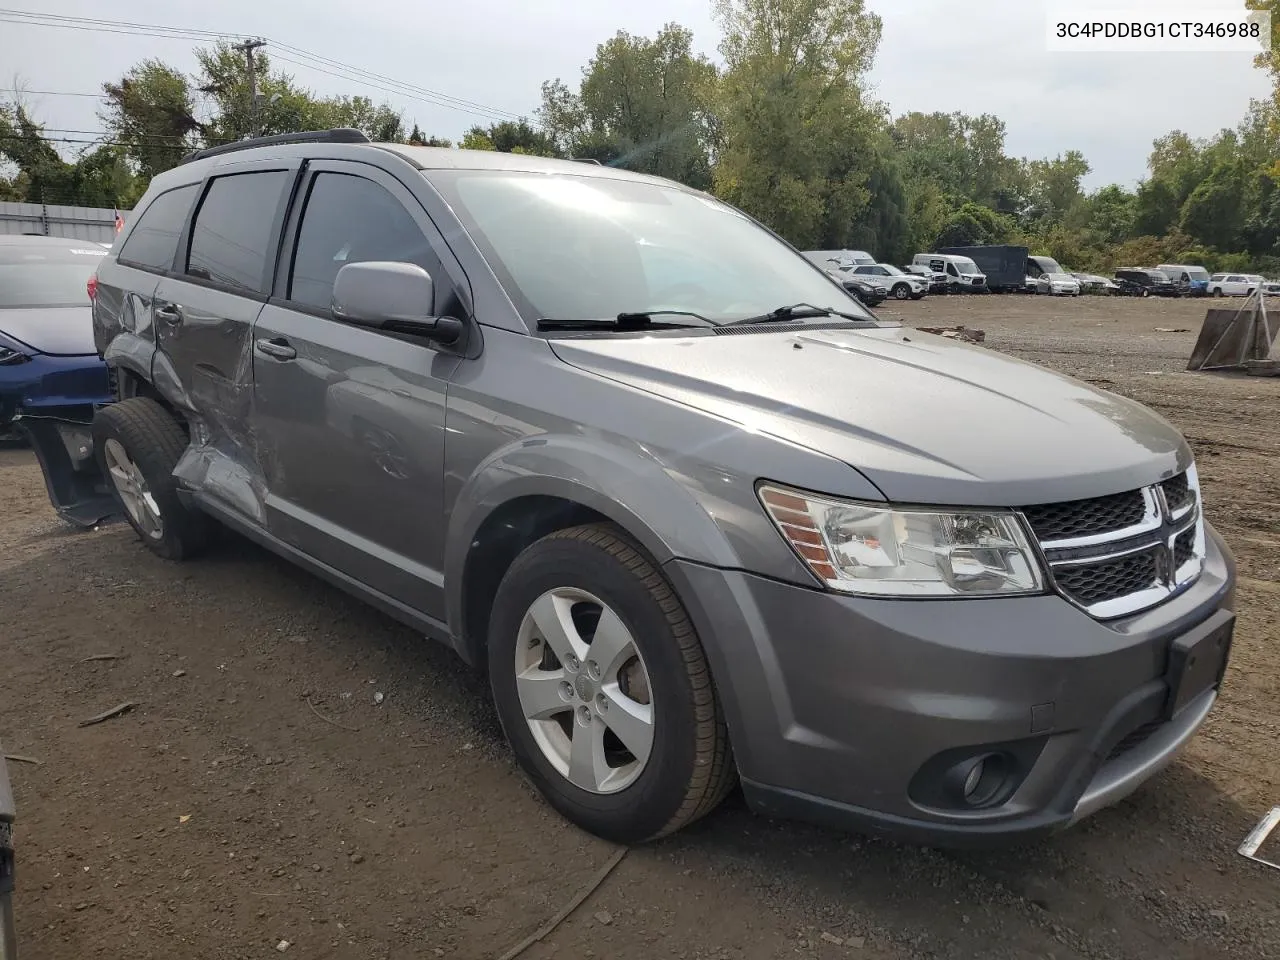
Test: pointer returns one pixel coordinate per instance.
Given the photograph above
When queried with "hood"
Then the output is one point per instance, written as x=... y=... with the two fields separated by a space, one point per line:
x=925 y=418
x=66 y=331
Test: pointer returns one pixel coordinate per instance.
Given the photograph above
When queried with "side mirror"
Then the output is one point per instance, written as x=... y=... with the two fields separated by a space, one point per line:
x=391 y=296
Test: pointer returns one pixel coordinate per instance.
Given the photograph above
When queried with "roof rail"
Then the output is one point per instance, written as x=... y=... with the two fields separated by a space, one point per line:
x=339 y=135
x=588 y=160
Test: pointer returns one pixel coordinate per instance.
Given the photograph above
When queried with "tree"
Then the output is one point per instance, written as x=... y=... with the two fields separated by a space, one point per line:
x=1212 y=214
x=1155 y=208
x=1054 y=186
x=418 y=139
x=974 y=224
x=151 y=113
x=964 y=155
x=1111 y=214
x=798 y=139
x=511 y=137
x=282 y=106
x=99 y=177
x=884 y=227
x=645 y=104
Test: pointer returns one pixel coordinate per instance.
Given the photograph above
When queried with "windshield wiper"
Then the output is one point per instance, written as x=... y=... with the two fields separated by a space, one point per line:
x=627 y=321
x=798 y=311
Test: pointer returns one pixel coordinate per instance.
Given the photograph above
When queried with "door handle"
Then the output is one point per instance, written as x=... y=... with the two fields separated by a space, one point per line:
x=276 y=347
x=169 y=313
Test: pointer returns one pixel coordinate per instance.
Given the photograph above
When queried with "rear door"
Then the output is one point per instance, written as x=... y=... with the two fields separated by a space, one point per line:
x=127 y=280
x=204 y=319
x=349 y=421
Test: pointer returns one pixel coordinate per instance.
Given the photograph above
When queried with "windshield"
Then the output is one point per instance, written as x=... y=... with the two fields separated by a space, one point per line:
x=1198 y=273
x=588 y=248
x=965 y=265
x=1060 y=276
x=36 y=278
x=891 y=270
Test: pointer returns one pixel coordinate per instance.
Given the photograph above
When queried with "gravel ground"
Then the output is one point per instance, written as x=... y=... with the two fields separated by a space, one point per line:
x=256 y=795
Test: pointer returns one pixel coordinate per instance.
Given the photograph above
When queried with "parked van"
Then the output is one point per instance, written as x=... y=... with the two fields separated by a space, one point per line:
x=1040 y=266
x=962 y=273
x=1193 y=280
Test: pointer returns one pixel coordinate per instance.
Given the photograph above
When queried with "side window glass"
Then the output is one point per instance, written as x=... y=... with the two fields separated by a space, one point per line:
x=153 y=242
x=231 y=237
x=951 y=269
x=348 y=219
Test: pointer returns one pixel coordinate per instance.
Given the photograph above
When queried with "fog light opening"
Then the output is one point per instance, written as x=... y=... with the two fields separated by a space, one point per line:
x=983 y=780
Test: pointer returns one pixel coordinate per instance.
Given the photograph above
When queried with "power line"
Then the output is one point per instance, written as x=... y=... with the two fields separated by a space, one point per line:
x=350 y=72
x=487 y=113
x=74 y=93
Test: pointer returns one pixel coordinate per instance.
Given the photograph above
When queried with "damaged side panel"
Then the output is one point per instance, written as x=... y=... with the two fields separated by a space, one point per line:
x=203 y=366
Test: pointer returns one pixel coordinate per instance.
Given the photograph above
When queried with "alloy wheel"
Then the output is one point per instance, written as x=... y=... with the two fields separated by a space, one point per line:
x=134 y=493
x=584 y=690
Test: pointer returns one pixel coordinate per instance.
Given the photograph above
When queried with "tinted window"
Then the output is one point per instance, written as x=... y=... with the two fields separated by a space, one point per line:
x=154 y=238
x=349 y=219
x=231 y=238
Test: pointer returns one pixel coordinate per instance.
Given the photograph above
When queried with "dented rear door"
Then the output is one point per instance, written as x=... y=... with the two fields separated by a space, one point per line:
x=204 y=318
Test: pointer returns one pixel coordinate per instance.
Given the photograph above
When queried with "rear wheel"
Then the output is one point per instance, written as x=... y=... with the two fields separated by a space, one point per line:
x=603 y=688
x=137 y=443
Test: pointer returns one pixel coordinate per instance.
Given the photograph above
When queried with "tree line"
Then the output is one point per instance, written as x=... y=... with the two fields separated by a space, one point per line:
x=784 y=128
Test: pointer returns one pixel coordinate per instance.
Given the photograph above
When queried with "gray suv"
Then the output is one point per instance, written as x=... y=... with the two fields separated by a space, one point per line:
x=702 y=518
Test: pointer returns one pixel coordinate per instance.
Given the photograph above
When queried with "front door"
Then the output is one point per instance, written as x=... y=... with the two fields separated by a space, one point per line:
x=348 y=421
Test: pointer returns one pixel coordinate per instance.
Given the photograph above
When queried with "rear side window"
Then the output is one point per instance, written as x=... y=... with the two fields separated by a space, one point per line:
x=349 y=219
x=232 y=234
x=153 y=242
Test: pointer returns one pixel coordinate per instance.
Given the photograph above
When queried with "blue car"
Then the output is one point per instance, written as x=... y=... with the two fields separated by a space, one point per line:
x=47 y=355
x=51 y=377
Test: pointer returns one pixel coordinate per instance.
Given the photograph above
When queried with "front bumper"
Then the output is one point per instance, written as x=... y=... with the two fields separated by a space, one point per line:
x=842 y=708
x=45 y=382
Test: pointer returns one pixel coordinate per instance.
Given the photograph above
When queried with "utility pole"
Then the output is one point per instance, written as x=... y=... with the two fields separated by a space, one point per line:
x=247 y=49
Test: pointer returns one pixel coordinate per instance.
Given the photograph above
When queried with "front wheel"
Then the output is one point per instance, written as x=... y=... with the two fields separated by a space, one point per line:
x=603 y=689
x=901 y=291
x=137 y=443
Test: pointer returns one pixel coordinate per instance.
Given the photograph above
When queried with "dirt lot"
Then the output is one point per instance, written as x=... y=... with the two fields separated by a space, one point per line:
x=258 y=794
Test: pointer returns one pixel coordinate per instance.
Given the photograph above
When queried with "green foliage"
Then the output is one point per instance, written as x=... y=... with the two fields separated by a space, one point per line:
x=98 y=178
x=511 y=137
x=644 y=104
x=798 y=140
x=972 y=225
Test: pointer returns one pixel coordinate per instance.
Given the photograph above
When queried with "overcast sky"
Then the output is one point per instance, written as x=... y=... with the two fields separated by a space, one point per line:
x=986 y=56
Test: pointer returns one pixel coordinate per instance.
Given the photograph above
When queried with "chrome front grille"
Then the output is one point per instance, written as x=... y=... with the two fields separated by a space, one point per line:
x=1115 y=555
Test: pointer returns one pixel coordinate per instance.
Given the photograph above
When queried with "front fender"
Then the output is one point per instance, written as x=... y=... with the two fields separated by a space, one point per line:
x=632 y=490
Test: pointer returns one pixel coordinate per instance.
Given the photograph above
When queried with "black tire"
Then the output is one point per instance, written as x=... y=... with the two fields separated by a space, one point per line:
x=154 y=441
x=690 y=768
x=1218 y=292
x=901 y=291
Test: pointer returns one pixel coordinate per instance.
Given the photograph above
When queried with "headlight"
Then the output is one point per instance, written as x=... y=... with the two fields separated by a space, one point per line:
x=10 y=357
x=877 y=550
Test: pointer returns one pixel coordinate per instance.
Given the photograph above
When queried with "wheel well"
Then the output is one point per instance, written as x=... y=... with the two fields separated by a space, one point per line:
x=132 y=385
x=506 y=532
